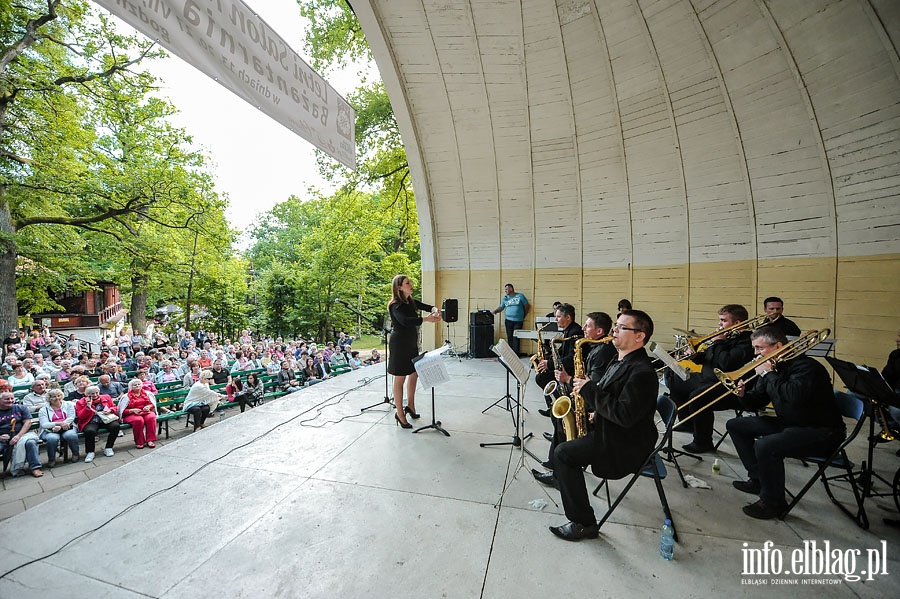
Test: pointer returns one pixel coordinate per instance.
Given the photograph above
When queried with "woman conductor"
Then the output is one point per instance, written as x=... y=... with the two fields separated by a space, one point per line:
x=404 y=344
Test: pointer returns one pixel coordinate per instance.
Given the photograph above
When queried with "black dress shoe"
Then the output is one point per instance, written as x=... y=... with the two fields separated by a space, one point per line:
x=543 y=412
x=751 y=485
x=696 y=447
x=761 y=510
x=547 y=465
x=572 y=531
x=549 y=437
x=546 y=478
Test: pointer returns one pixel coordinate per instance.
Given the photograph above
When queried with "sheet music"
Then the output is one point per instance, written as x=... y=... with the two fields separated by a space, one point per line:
x=668 y=360
x=512 y=361
x=431 y=369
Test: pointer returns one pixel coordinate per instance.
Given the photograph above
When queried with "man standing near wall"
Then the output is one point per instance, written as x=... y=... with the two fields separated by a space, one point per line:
x=516 y=306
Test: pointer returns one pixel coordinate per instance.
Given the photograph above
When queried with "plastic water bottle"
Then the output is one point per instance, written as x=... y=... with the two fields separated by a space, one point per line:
x=667 y=541
x=716 y=468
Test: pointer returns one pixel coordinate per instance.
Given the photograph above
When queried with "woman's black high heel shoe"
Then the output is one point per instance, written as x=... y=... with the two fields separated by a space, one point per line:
x=410 y=412
x=402 y=424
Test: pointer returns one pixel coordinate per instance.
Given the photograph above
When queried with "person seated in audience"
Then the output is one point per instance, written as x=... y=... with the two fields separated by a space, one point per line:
x=191 y=377
x=337 y=359
x=220 y=375
x=144 y=375
x=205 y=360
x=322 y=366
x=80 y=388
x=375 y=357
x=311 y=373
x=138 y=408
x=287 y=380
x=19 y=376
x=274 y=365
x=201 y=400
x=344 y=343
x=30 y=368
x=88 y=411
x=116 y=372
x=355 y=362
x=110 y=387
x=166 y=375
x=63 y=375
x=241 y=363
x=75 y=373
x=18 y=444
x=57 y=422
x=38 y=395
x=251 y=394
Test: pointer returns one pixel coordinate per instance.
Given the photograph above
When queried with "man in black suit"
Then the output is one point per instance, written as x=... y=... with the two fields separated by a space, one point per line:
x=774 y=306
x=621 y=432
x=727 y=353
x=565 y=320
x=808 y=422
x=596 y=357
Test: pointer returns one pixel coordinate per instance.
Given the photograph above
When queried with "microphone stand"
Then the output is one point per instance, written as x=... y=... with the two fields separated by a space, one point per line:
x=384 y=339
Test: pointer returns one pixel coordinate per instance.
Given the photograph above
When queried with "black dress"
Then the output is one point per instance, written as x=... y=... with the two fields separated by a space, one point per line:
x=404 y=341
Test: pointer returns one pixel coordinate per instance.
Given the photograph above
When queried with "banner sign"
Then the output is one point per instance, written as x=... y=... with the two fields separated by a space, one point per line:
x=226 y=40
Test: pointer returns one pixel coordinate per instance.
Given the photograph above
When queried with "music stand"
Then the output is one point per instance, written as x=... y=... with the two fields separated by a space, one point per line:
x=432 y=372
x=385 y=331
x=868 y=383
x=512 y=364
x=507 y=398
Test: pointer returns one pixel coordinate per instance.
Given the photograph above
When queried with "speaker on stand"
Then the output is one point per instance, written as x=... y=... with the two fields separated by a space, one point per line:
x=481 y=333
x=450 y=313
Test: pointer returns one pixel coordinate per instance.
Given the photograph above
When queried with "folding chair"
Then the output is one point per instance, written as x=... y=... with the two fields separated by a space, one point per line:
x=850 y=407
x=653 y=467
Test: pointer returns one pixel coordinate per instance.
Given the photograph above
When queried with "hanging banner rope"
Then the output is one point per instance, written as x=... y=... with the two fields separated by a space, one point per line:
x=228 y=42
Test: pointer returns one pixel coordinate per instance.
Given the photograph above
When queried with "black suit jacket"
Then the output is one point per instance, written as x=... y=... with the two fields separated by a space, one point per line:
x=624 y=401
x=566 y=349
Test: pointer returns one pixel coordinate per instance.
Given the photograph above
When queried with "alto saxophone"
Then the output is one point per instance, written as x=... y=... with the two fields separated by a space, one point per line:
x=539 y=356
x=571 y=410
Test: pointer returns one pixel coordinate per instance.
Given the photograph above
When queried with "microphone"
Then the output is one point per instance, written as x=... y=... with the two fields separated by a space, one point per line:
x=337 y=300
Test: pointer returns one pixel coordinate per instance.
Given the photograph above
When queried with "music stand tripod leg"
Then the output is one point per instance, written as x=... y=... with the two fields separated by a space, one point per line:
x=435 y=424
x=387 y=397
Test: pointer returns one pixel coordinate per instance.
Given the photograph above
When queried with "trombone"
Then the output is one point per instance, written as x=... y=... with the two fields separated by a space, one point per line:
x=688 y=340
x=729 y=380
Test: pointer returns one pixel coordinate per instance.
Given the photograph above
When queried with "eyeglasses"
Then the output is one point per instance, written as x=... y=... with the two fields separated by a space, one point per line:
x=618 y=327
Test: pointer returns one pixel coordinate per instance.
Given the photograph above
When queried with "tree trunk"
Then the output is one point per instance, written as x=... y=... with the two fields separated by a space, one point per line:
x=139 y=303
x=9 y=309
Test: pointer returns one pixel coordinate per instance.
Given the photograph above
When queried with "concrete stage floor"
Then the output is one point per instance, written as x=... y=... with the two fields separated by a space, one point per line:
x=307 y=497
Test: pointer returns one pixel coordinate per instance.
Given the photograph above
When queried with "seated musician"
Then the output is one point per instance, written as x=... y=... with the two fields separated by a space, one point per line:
x=807 y=421
x=774 y=306
x=726 y=352
x=621 y=430
x=565 y=321
x=595 y=358
x=891 y=375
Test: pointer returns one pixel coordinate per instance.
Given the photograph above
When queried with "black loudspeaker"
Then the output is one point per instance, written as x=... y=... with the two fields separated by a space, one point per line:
x=450 y=310
x=481 y=317
x=481 y=338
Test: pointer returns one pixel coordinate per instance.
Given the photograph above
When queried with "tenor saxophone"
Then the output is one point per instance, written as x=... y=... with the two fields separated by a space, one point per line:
x=571 y=410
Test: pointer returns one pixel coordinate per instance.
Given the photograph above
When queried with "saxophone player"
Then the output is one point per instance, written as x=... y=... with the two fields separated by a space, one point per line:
x=565 y=321
x=621 y=431
x=598 y=356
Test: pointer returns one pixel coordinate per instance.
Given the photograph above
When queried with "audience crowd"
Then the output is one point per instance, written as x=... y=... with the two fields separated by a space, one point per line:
x=50 y=379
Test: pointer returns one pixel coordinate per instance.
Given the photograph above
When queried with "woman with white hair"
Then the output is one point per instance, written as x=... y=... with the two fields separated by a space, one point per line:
x=57 y=419
x=201 y=400
x=138 y=408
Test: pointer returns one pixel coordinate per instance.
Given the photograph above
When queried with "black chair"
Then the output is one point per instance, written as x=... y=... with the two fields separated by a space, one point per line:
x=653 y=467
x=850 y=407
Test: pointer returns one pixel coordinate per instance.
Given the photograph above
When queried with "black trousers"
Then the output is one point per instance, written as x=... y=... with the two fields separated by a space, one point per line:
x=199 y=414
x=569 y=460
x=762 y=443
x=90 y=434
x=511 y=327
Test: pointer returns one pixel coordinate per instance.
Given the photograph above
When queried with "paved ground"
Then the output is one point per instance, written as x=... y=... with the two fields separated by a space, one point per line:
x=20 y=493
x=308 y=497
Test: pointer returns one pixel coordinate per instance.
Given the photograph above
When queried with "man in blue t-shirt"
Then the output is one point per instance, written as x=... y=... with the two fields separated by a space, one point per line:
x=516 y=306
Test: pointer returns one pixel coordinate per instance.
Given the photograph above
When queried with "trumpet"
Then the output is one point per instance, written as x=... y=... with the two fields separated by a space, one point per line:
x=730 y=380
